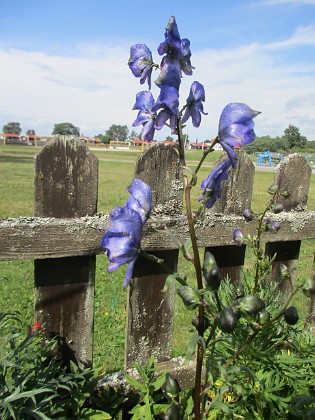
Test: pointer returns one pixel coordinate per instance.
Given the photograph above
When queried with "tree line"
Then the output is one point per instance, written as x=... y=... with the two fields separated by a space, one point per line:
x=291 y=140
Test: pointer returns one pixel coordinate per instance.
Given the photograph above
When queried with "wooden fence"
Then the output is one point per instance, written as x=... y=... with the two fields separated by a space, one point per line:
x=64 y=235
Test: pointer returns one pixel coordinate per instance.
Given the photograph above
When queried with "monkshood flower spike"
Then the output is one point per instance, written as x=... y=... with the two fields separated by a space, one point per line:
x=122 y=240
x=236 y=128
x=172 y=45
x=123 y=235
x=140 y=63
x=194 y=106
x=141 y=198
x=168 y=103
x=146 y=117
x=211 y=186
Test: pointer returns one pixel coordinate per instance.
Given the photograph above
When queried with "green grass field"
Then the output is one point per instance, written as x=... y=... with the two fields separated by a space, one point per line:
x=116 y=169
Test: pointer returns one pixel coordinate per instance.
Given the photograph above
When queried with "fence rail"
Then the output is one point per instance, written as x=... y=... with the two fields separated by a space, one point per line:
x=64 y=236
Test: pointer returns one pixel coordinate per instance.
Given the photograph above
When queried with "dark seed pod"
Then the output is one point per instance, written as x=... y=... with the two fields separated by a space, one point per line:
x=195 y=322
x=277 y=208
x=291 y=315
x=213 y=279
x=227 y=320
x=172 y=388
x=309 y=288
x=236 y=310
x=189 y=296
x=251 y=305
x=264 y=317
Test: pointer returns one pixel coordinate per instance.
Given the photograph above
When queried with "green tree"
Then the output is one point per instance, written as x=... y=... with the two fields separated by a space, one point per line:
x=293 y=136
x=32 y=132
x=134 y=135
x=116 y=132
x=169 y=138
x=65 y=129
x=101 y=137
x=12 y=128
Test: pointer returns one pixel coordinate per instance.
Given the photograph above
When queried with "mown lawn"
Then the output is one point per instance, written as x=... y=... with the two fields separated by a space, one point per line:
x=116 y=170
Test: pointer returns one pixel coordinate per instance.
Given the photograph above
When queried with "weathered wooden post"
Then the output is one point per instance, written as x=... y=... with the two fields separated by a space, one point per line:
x=150 y=311
x=292 y=175
x=236 y=197
x=66 y=177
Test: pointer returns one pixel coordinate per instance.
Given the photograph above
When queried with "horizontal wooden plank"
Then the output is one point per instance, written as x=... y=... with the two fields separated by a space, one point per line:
x=37 y=238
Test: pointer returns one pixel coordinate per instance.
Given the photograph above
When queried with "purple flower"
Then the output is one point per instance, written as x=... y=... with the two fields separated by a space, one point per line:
x=140 y=63
x=172 y=45
x=194 y=104
x=248 y=215
x=167 y=101
x=272 y=227
x=236 y=127
x=146 y=117
x=185 y=63
x=211 y=186
x=141 y=198
x=122 y=240
x=170 y=74
x=238 y=237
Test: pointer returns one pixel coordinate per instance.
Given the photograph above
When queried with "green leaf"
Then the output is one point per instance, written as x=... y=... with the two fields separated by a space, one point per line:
x=135 y=384
x=221 y=406
x=160 y=380
x=195 y=339
x=91 y=414
x=169 y=280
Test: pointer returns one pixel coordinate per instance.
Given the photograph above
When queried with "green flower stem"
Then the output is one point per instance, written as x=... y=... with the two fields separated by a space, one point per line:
x=156 y=260
x=181 y=142
x=258 y=250
x=201 y=315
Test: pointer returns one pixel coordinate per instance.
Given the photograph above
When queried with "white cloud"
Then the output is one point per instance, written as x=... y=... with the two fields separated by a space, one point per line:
x=96 y=89
x=303 y=36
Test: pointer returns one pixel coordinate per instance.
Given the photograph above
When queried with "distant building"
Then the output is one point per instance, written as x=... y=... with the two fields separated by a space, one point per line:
x=90 y=140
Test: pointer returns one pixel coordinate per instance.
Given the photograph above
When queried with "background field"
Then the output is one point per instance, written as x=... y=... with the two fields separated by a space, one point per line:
x=116 y=170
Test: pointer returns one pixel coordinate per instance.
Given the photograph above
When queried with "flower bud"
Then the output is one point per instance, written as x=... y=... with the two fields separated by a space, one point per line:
x=227 y=320
x=291 y=315
x=284 y=272
x=248 y=215
x=264 y=317
x=172 y=388
x=285 y=194
x=250 y=305
x=277 y=208
x=272 y=189
x=272 y=227
x=189 y=296
x=173 y=412
x=309 y=288
x=238 y=237
x=213 y=279
x=239 y=292
x=209 y=262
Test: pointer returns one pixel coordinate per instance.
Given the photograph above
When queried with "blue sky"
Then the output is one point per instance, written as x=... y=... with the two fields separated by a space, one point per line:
x=66 y=60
